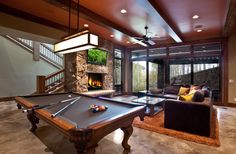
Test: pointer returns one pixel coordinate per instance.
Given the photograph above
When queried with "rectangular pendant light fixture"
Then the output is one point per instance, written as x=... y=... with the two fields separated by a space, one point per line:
x=77 y=42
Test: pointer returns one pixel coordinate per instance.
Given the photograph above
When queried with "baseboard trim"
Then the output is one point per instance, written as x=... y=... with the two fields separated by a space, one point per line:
x=2 y=99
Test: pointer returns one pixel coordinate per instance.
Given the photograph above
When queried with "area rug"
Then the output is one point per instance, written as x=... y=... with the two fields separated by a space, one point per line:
x=156 y=124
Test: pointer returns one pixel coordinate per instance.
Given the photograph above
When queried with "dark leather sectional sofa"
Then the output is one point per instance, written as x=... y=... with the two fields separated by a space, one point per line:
x=190 y=117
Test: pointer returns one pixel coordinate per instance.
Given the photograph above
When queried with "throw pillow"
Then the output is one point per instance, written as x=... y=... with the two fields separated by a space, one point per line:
x=187 y=98
x=198 y=96
x=183 y=91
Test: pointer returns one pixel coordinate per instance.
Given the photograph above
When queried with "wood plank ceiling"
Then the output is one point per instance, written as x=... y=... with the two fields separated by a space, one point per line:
x=168 y=20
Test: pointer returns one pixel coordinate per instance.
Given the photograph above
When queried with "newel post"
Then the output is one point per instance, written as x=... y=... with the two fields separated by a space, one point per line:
x=40 y=86
x=36 y=53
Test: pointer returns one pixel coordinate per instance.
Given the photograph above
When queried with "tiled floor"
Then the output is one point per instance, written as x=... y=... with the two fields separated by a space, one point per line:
x=15 y=137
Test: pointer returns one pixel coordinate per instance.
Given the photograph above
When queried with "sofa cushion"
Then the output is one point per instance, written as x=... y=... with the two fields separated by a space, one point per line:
x=172 y=90
x=170 y=96
x=155 y=90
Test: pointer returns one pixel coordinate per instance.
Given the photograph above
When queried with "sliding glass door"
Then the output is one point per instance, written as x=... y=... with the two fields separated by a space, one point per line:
x=139 y=76
x=153 y=75
x=118 y=58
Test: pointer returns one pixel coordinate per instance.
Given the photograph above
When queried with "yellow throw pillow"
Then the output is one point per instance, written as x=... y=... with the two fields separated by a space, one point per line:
x=183 y=91
x=188 y=97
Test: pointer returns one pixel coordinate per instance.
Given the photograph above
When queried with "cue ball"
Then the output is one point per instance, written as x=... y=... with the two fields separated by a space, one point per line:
x=69 y=96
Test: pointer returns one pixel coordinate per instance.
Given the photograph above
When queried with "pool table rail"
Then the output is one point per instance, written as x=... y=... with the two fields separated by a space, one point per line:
x=59 y=123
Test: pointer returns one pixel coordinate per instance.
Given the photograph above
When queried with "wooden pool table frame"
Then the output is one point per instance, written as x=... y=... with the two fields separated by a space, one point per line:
x=85 y=140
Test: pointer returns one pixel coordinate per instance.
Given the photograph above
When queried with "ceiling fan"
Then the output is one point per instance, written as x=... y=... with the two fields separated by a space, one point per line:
x=145 y=40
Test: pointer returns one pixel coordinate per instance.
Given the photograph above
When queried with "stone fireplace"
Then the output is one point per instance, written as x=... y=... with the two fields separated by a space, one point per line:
x=95 y=81
x=77 y=69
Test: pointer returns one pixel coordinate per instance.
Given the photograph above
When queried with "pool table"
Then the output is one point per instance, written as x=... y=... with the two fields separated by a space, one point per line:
x=83 y=127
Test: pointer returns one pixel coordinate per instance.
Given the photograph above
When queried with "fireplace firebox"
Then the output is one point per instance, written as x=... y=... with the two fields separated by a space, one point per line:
x=94 y=81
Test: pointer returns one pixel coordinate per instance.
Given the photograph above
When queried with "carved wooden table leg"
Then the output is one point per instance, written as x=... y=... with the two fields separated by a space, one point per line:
x=33 y=120
x=81 y=148
x=19 y=106
x=81 y=140
x=141 y=117
x=127 y=133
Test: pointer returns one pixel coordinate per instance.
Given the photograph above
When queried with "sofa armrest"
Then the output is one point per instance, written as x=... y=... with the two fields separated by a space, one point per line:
x=194 y=118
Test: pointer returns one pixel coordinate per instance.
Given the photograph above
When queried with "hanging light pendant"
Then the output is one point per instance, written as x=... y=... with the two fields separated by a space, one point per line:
x=77 y=42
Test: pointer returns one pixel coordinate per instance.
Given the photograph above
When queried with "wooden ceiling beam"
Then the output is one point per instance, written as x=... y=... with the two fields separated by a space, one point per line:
x=166 y=23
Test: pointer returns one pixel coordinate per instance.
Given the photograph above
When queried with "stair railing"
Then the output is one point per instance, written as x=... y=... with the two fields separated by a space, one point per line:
x=45 y=52
x=51 y=83
x=27 y=42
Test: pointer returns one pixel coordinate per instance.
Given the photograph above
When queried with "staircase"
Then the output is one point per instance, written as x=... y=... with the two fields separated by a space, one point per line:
x=44 y=84
x=45 y=52
x=51 y=83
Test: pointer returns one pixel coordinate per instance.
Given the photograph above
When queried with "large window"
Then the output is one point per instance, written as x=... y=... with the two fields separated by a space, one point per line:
x=206 y=70
x=139 y=54
x=118 y=57
x=117 y=71
x=180 y=50
x=197 y=63
x=206 y=49
x=153 y=75
x=180 y=72
x=157 y=52
x=139 y=80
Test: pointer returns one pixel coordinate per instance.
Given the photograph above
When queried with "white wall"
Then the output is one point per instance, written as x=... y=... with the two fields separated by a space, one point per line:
x=18 y=70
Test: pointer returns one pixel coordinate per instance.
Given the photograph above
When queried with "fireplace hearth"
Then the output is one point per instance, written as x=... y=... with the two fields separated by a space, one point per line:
x=94 y=81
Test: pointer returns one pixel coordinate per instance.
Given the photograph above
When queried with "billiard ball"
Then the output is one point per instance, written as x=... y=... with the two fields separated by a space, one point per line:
x=69 y=96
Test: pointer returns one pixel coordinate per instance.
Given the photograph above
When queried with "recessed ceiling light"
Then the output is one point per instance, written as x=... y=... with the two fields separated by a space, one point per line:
x=111 y=35
x=195 y=16
x=86 y=25
x=123 y=11
x=199 y=30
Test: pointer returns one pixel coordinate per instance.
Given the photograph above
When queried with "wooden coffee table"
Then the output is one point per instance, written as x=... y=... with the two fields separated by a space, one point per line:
x=153 y=104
